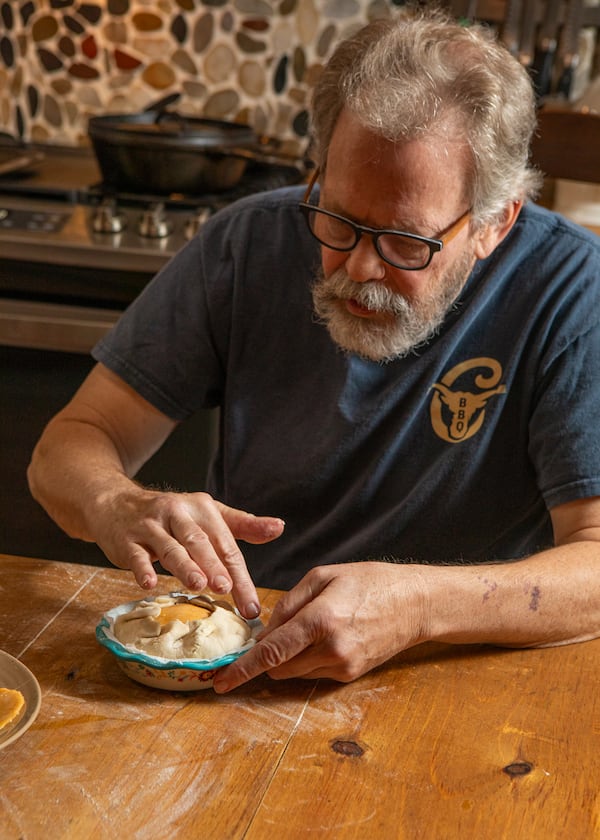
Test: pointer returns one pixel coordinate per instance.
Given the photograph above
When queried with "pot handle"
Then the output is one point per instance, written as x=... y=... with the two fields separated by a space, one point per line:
x=163 y=103
x=258 y=154
x=173 y=116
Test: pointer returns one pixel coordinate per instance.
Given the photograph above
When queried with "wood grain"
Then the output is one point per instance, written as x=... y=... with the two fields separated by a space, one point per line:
x=442 y=742
x=31 y=593
x=109 y=757
x=448 y=743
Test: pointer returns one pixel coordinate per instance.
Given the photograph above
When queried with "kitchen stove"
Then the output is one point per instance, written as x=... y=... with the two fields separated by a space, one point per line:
x=59 y=211
x=73 y=255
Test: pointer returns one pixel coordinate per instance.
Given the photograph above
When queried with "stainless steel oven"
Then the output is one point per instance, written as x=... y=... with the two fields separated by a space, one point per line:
x=72 y=256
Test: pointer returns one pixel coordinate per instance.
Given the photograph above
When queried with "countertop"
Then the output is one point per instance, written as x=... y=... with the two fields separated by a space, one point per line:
x=441 y=742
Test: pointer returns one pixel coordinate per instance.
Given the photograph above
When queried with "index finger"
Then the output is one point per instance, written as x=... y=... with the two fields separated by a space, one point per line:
x=215 y=552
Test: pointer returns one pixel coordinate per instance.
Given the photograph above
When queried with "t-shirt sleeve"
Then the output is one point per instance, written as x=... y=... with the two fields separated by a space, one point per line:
x=170 y=343
x=210 y=322
x=565 y=418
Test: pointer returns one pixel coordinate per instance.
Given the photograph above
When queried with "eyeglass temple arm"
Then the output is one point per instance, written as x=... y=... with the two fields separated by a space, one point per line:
x=311 y=183
x=456 y=227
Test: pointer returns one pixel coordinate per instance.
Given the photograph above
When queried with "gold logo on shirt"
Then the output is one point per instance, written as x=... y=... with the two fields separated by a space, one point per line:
x=457 y=415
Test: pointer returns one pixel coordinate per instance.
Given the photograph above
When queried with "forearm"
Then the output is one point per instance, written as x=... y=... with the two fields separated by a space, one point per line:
x=80 y=473
x=74 y=469
x=547 y=599
x=341 y=621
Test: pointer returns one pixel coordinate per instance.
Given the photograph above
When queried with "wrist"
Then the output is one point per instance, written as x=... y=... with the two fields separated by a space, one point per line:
x=439 y=601
x=110 y=499
x=454 y=595
x=411 y=602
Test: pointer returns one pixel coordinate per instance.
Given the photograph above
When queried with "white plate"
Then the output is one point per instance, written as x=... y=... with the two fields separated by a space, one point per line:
x=13 y=674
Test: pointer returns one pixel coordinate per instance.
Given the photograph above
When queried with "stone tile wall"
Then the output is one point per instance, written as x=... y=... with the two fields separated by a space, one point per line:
x=62 y=61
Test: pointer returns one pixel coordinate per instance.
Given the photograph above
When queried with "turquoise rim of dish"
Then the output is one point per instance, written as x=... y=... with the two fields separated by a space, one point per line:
x=122 y=652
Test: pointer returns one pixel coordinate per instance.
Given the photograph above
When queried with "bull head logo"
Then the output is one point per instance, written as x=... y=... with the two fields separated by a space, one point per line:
x=458 y=415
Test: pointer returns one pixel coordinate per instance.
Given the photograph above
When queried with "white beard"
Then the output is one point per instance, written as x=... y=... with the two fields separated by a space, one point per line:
x=411 y=323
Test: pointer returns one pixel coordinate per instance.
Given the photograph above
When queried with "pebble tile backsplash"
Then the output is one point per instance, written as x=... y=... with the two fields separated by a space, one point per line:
x=249 y=60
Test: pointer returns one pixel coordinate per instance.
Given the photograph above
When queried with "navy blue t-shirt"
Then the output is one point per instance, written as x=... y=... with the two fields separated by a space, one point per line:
x=453 y=454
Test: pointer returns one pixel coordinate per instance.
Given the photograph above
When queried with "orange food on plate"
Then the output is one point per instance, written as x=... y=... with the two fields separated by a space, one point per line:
x=12 y=703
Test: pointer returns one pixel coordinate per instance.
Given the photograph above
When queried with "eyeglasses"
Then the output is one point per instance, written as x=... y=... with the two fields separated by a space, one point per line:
x=408 y=251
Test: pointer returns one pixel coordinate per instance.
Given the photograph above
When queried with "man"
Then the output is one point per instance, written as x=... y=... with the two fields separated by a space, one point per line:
x=429 y=438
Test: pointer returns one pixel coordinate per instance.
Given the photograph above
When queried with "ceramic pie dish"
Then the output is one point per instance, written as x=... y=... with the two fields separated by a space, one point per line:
x=159 y=672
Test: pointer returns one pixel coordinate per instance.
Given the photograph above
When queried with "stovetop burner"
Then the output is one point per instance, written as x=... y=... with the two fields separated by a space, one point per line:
x=58 y=209
x=256 y=178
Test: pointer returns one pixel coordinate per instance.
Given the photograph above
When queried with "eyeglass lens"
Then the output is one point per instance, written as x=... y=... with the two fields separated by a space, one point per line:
x=396 y=248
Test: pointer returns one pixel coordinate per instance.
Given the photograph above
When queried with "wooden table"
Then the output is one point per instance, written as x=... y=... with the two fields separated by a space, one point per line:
x=442 y=742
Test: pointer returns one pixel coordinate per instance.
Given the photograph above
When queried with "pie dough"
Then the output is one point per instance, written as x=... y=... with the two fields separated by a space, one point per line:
x=180 y=627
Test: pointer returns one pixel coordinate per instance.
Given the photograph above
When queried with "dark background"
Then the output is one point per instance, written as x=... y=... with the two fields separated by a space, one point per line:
x=34 y=385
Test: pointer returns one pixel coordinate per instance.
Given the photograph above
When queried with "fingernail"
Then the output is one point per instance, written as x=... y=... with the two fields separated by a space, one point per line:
x=196 y=582
x=221 y=584
x=146 y=582
x=252 y=610
x=221 y=686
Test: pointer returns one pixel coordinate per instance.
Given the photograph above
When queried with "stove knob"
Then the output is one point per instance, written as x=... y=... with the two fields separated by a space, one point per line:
x=107 y=219
x=195 y=222
x=154 y=223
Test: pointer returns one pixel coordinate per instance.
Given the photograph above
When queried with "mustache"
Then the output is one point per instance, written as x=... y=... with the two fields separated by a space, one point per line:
x=370 y=294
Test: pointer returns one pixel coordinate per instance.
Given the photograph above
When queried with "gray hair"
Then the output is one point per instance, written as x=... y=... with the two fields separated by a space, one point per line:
x=422 y=73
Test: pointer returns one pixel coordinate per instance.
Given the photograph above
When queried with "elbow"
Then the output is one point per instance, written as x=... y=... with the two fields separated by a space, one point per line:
x=34 y=473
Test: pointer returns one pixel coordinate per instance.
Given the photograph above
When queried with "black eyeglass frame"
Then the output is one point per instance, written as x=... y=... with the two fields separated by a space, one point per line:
x=434 y=245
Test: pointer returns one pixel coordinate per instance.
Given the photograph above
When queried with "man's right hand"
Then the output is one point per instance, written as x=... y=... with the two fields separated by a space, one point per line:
x=81 y=473
x=192 y=535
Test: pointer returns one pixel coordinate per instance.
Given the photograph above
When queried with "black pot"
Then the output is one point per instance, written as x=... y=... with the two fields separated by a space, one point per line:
x=164 y=152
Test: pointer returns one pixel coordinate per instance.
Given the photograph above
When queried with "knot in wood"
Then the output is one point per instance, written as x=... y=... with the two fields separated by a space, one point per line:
x=350 y=748
x=518 y=768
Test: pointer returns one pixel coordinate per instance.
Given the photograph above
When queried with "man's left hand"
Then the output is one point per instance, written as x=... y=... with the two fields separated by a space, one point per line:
x=339 y=622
